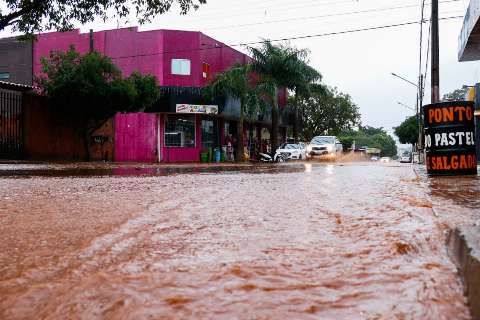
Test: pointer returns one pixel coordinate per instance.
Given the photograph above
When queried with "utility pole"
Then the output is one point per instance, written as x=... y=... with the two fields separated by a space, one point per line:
x=435 y=54
x=91 y=40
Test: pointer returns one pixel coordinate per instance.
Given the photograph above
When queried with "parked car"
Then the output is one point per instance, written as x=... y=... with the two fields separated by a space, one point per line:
x=405 y=159
x=325 y=146
x=292 y=151
x=374 y=158
x=385 y=159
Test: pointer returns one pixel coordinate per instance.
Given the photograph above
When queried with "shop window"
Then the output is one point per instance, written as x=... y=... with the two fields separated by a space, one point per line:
x=4 y=75
x=181 y=67
x=180 y=131
x=209 y=134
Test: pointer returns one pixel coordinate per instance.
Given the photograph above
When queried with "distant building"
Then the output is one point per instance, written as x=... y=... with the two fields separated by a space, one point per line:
x=16 y=61
x=469 y=50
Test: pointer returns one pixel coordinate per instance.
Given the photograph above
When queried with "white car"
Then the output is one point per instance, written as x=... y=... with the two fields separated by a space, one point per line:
x=385 y=159
x=405 y=159
x=325 y=146
x=292 y=151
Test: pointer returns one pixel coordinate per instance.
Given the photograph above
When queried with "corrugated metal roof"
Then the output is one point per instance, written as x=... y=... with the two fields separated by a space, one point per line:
x=15 y=86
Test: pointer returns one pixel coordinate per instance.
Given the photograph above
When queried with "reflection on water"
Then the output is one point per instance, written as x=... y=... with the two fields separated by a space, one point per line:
x=356 y=241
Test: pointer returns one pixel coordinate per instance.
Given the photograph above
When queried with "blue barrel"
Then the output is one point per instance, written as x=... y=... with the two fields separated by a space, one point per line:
x=217 y=155
x=450 y=138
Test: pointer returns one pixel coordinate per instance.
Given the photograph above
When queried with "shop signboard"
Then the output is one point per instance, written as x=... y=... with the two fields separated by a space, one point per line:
x=467 y=50
x=450 y=138
x=196 y=108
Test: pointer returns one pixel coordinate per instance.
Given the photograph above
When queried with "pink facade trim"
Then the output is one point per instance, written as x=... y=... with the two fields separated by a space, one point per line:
x=136 y=137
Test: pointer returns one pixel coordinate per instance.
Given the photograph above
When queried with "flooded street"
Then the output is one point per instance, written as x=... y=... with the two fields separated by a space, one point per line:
x=297 y=241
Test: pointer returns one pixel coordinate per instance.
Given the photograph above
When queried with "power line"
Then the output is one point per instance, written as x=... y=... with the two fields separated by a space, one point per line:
x=322 y=16
x=260 y=9
x=246 y=44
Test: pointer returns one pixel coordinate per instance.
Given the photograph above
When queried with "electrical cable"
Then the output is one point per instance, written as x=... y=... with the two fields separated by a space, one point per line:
x=247 y=44
x=322 y=16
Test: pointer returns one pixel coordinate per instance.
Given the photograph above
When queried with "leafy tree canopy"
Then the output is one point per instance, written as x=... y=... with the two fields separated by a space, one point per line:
x=456 y=95
x=91 y=85
x=31 y=16
x=326 y=111
x=407 y=131
x=370 y=137
x=91 y=88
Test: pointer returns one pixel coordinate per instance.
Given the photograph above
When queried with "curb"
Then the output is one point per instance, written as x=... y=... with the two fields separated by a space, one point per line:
x=463 y=245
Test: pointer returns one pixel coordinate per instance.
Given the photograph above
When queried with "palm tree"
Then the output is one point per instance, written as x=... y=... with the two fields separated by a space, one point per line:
x=235 y=83
x=277 y=67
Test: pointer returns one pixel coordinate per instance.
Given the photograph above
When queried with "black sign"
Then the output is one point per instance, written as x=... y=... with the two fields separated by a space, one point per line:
x=450 y=138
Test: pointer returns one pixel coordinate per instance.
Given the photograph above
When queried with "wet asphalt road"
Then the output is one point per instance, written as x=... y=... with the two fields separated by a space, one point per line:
x=297 y=241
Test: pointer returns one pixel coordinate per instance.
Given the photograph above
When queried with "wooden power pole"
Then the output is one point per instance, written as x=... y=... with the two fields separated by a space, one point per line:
x=435 y=54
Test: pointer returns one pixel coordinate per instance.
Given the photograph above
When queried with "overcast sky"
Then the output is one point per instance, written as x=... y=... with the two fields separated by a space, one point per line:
x=357 y=63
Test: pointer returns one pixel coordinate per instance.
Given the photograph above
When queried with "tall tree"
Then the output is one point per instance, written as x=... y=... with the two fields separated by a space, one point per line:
x=236 y=83
x=326 y=112
x=31 y=16
x=407 y=131
x=276 y=67
x=91 y=88
x=302 y=85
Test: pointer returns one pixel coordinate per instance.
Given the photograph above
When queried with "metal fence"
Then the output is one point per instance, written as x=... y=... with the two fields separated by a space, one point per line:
x=11 y=138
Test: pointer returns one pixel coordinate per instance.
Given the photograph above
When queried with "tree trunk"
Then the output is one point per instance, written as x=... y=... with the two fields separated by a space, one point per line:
x=240 y=147
x=86 y=144
x=295 y=117
x=274 y=133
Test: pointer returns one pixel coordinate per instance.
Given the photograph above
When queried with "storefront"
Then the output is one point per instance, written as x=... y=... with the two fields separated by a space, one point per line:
x=183 y=124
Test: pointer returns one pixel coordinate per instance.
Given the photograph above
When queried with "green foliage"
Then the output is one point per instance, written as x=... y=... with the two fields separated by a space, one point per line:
x=456 y=95
x=281 y=66
x=407 y=131
x=91 y=86
x=37 y=15
x=237 y=83
x=233 y=82
x=326 y=112
x=370 y=137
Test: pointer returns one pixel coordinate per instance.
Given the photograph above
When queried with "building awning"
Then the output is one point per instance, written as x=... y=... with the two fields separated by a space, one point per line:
x=15 y=86
x=469 y=39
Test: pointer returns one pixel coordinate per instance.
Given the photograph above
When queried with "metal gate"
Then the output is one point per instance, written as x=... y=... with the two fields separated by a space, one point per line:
x=11 y=138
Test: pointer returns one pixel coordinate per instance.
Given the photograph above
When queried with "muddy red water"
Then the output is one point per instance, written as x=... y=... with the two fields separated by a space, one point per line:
x=342 y=241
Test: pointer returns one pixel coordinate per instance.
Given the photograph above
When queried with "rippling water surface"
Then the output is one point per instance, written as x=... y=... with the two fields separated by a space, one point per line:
x=343 y=241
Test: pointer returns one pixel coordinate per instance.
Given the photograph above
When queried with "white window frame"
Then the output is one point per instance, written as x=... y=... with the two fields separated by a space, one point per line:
x=181 y=67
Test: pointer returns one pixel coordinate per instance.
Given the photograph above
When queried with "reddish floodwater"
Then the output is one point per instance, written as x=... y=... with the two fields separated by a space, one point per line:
x=353 y=241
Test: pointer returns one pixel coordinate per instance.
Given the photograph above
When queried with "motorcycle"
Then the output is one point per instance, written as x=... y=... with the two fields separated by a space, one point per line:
x=278 y=157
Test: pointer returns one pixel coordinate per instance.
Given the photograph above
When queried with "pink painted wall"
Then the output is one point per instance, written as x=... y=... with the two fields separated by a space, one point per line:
x=136 y=137
x=129 y=49
x=149 y=52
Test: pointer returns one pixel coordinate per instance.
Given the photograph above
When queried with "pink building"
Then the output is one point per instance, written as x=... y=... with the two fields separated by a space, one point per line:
x=182 y=123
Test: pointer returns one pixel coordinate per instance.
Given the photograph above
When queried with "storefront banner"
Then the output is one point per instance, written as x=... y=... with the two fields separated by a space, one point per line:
x=196 y=108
